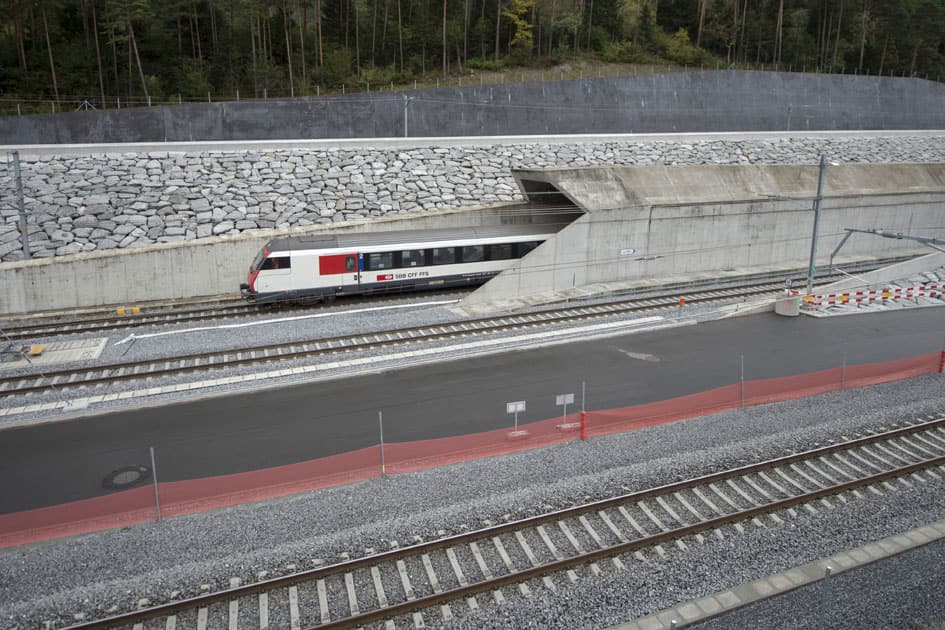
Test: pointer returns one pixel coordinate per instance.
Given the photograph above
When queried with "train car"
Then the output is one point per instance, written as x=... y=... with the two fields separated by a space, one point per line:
x=319 y=267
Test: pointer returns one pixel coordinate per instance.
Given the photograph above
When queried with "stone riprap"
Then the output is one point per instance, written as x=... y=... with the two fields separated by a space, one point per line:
x=121 y=200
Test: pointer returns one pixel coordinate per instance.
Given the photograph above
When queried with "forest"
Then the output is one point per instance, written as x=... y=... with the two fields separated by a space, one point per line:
x=55 y=54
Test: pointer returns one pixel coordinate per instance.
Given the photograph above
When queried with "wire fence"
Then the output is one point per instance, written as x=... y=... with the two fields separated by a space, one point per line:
x=39 y=104
x=136 y=493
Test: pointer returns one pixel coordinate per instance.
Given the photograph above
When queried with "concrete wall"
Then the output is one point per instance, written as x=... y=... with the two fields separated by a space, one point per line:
x=210 y=267
x=675 y=102
x=673 y=224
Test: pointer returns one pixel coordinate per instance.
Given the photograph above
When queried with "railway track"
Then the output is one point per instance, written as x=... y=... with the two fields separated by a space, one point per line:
x=165 y=315
x=168 y=317
x=97 y=375
x=439 y=579
x=119 y=322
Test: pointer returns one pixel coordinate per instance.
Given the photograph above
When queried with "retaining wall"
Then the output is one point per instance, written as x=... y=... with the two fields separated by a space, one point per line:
x=675 y=102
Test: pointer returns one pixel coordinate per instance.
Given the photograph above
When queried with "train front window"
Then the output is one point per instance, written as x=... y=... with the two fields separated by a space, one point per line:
x=412 y=258
x=258 y=260
x=524 y=248
x=379 y=260
x=444 y=255
x=277 y=262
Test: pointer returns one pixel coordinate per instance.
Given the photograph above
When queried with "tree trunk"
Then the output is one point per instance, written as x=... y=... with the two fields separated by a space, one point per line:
x=213 y=25
x=252 y=39
x=400 y=35
x=551 y=28
x=288 y=49
x=444 y=39
x=373 y=31
x=836 y=46
x=744 y=47
x=866 y=13
x=134 y=47
x=18 y=27
x=318 y=22
x=590 y=21
x=357 y=38
x=384 y=29
x=52 y=66
x=702 y=8
x=302 y=56
x=882 y=59
x=498 y=20
x=98 y=56
x=777 y=46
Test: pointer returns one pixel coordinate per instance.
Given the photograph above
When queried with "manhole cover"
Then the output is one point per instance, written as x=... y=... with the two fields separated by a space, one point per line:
x=126 y=477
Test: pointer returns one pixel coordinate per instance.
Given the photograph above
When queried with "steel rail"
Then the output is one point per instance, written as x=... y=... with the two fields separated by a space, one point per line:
x=519 y=576
x=218 y=359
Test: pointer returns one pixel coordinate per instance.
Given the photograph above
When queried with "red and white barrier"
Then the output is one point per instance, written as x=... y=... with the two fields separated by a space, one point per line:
x=878 y=295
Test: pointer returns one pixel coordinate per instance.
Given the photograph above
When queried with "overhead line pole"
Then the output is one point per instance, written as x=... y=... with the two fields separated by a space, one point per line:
x=813 y=242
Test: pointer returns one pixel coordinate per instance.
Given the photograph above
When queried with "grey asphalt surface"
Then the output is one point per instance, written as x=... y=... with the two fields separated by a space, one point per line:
x=57 y=462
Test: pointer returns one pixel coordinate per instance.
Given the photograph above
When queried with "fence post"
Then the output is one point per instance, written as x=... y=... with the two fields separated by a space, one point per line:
x=157 y=498
x=843 y=372
x=741 y=382
x=583 y=426
x=380 y=421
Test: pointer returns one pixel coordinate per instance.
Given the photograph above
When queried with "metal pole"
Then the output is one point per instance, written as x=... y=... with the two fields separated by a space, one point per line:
x=406 y=101
x=21 y=206
x=813 y=242
x=157 y=498
x=380 y=421
x=583 y=389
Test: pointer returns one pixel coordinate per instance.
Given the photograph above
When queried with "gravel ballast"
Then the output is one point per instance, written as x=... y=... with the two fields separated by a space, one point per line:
x=54 y=580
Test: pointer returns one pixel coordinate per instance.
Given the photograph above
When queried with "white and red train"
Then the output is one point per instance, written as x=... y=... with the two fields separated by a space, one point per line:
x=305 y=268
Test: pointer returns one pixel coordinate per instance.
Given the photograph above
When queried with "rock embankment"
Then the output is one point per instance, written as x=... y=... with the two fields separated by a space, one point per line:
x=119 y=200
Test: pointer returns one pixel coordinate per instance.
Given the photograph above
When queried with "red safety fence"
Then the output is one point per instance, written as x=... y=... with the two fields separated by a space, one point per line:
x=177 y=498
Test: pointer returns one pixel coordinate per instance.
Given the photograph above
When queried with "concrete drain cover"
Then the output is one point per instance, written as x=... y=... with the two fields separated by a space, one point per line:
x=53 y=353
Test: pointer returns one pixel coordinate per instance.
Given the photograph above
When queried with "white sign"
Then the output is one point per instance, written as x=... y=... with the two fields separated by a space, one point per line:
x=515 y=407
x=627 y=252
x=564 y=399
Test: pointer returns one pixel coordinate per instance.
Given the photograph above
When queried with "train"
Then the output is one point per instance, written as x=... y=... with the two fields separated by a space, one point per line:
x=312 y=268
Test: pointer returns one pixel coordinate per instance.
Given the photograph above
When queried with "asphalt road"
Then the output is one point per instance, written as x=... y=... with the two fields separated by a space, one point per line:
x=58 y=462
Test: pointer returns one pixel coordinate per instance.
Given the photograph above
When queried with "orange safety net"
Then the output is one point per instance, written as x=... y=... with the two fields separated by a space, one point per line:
x=607 y=421
x=138 y=505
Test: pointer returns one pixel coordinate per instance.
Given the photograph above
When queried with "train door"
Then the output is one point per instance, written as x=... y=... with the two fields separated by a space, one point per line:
x=339 y=273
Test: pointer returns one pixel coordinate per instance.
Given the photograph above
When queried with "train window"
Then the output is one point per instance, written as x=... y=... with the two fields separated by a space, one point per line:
x=277 y=262
x=350 y=263
x=499 y=251
x=444 y=255
x=472 y=253
x=523 y=248
x=379 y=260
x=412 y=258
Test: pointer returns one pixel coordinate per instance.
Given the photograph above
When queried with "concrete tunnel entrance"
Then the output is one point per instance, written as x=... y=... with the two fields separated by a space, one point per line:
x=645 y=227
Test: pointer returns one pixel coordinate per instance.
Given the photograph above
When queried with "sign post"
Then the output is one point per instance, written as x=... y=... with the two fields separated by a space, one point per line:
x=515 y=408
x=564 y=399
